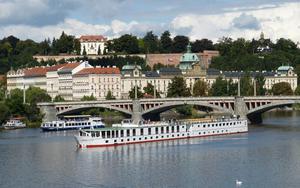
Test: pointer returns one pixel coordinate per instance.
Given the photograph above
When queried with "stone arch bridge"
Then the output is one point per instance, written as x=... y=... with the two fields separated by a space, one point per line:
x=250 y=107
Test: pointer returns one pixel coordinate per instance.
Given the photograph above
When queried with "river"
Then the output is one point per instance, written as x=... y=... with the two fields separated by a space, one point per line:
x=267 y=156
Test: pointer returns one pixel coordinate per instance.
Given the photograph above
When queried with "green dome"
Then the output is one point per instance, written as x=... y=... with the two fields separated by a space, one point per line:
x=189 y=56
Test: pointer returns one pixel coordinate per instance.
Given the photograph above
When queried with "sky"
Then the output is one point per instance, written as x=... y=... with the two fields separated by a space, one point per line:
x=197 y=19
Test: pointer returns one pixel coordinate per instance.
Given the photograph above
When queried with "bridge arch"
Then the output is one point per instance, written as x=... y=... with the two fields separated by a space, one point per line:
x=85 y=107
x=254 y=115
x=169 y=105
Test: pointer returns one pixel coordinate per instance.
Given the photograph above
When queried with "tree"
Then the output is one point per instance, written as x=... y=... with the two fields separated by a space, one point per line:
x=180 y=43
x=200 y=88
x=132 y=93
x=4 y=112
x=297 y=91
x=149 y=89
x=58 y=98
x=15 y=102
x=77 y=46
x=150 y=42
x=99 y=50
x=201 y=45
x=166 y=42
x=88 y=98
x=178 y=88
x=110 y=96
x=246 y=85
x=84 y=51
x=260 y=82
x=125 y=44
x=282 y=88
x=219 y=87
x=35 y=95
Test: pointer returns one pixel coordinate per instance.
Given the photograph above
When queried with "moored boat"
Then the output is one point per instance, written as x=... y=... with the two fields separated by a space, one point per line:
x=145 y=131
x=14 y=123
x=73 y=122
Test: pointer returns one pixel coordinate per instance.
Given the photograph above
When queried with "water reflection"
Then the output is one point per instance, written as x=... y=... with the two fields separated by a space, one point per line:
x=268 y=156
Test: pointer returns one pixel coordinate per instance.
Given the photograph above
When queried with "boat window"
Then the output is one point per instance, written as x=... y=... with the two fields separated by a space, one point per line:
x=167 y=129
x=156 y=130
x=208 y=125
x=212 y=125
x=106 y=141
x=133 y=132
x=142 y=131
x=89 y=123
x=177 y=127
x=112 y=134
x=162 y=130
x=97 y=134
x=128 y=132
x=149 y=131
x=172 y=129
x=122 y=133
x=93 y=134
x=117 y=133
x=103 y=134
x=108 y=134
x=203 y=126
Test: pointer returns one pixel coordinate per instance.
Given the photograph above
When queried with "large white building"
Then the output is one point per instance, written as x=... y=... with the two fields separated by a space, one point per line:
x=92 y=44
x=97 y=81
x=73 y=81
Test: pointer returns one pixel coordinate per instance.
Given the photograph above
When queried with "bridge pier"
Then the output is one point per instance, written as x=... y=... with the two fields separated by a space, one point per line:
x=136 y=111
x=240 y=107
x=48 y=111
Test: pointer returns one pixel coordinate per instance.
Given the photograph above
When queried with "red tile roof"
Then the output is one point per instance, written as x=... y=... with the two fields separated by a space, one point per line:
x=42 y=71
x=70 y=66
x=98 y=70
x=92 y=38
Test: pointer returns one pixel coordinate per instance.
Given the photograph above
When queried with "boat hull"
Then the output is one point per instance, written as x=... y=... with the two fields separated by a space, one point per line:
x=147 y=141
x=111 y=137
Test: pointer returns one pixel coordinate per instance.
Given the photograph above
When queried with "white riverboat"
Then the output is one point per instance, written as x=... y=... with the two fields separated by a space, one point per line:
x=14 y=123
x=73 y=122
x=129 y=133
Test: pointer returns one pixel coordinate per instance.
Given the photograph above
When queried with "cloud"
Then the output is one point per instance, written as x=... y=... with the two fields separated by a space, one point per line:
x=245 y=21
x=275 y=22
x=34 y=12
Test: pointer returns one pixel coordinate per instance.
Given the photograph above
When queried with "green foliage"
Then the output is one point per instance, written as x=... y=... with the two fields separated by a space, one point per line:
x=201 y=45
x=150 y=42
x=15 y=102
x=222 y=87
x=166 y=42
x=35 y=95
x=132 y=93
x=219 y=87
x=282 y=88
x=4 y=112
x=260 y=82
x=110 y=96
x=200 y=88
x=246 y=85
x=84 y=51
x=158 y=66
x=185 y=110
x=149 y=89
x=178 y=88
x=179 y=43
x=127 y=44
x=58 y=98
x=88 y=98
x=297 y=91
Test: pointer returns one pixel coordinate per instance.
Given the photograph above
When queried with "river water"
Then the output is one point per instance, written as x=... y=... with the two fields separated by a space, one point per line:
x=267 y=156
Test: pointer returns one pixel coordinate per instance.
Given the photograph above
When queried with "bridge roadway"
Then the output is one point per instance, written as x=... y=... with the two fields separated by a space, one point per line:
x=247 y=107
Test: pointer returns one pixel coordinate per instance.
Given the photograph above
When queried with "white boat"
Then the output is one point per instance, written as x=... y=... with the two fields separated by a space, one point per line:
x=73 y=122
x=159 y=131
x=14 y=123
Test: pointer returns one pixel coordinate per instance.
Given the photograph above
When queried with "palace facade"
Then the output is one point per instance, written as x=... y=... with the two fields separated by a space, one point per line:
x=75 y=80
